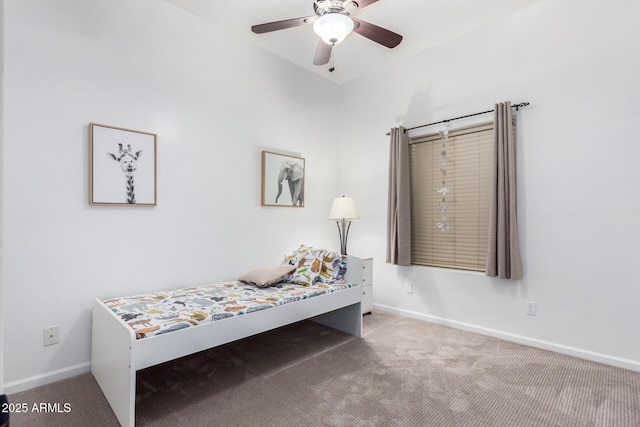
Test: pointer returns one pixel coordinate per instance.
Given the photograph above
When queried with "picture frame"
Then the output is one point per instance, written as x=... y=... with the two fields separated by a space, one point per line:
x=283 y=180
x=122 y=166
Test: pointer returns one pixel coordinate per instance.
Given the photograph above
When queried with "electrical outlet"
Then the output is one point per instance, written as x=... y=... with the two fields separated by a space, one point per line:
x=531 y=308
x=409 y=287
x=51 y=335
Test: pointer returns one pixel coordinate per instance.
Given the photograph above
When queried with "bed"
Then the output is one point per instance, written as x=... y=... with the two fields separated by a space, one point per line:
x=124 y=342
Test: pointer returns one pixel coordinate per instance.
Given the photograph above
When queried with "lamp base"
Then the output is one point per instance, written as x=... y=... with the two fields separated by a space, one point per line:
x=343 y=231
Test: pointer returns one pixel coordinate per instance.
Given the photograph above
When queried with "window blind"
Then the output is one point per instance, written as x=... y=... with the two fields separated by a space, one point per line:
x=468 y=170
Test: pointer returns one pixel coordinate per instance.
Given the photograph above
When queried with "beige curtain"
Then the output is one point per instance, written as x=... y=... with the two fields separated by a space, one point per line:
x=503 y=254
x=399 y=202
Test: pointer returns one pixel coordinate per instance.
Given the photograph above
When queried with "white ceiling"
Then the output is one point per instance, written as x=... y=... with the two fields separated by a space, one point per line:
x=422 y=23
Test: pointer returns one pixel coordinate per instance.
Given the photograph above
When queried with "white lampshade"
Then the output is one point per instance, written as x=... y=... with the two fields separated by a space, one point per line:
x=333 y=27
x=343 y=208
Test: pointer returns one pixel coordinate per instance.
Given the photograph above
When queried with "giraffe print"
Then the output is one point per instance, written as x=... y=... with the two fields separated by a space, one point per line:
x=131 y=194
x=129 y=163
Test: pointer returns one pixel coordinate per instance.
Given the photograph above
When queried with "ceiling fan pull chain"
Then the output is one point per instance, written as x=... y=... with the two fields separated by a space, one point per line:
x=331 y=66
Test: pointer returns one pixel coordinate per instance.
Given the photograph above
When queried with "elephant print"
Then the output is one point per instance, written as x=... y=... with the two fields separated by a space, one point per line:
x=293 y=173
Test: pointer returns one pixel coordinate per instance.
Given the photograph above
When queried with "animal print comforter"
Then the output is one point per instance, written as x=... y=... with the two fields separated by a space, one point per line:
x=167 y=311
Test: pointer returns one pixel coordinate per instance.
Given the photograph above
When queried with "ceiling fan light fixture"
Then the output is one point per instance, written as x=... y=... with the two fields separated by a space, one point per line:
x=333 y=27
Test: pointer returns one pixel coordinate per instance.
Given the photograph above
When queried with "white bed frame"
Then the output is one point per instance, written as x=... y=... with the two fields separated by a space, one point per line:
x=116 y=354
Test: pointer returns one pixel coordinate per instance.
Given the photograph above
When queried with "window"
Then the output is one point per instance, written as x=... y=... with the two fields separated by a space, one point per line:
x=450 y=198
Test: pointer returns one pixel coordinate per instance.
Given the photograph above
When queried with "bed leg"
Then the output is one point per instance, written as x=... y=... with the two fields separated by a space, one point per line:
x=111 y=363
x=347 y=319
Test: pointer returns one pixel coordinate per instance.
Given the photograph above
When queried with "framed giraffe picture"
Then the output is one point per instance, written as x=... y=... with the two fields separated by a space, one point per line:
x=122 y=166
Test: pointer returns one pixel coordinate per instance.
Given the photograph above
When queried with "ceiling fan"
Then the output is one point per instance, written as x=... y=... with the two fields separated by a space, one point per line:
x=333 y=22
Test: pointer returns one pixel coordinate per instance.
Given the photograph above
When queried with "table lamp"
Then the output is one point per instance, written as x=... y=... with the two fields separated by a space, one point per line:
x=343 y=210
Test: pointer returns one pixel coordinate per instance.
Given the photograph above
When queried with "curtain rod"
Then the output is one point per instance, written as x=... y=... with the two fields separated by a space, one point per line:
x=517 y=107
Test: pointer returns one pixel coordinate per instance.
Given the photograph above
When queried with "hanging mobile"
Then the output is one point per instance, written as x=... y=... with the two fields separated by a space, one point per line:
x=444 y=190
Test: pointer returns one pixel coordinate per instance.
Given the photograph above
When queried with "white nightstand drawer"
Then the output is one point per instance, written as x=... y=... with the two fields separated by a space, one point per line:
x=367 y=285
x=367 y=278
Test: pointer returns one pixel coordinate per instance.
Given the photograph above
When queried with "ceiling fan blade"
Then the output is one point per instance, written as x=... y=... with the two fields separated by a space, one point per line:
x=377 y=34
x=282 y=25
x=323 y=53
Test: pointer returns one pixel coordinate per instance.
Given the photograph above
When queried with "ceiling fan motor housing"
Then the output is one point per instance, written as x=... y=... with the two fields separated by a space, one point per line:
x=333 y=6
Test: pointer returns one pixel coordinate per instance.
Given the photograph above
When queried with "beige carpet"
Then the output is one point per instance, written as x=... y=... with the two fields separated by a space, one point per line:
x=404 y=372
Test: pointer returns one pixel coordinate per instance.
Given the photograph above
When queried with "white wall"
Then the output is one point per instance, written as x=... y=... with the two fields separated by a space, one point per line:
x=214 y=102
x=579 y=211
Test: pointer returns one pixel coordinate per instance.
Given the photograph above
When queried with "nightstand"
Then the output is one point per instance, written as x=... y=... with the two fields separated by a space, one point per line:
x=367 y=285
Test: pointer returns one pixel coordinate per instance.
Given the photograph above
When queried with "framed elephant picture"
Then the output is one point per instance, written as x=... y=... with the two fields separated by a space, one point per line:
x=282 y=180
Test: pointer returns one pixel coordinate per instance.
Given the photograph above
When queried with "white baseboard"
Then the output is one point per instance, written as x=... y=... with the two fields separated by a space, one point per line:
x=520 y=339
x=46 y=378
